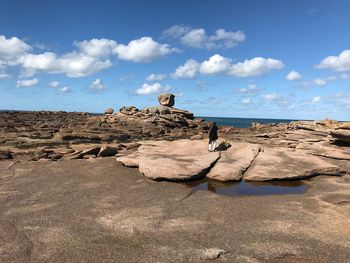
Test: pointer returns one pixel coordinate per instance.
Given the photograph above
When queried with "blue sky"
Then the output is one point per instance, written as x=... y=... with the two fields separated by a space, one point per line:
x=268 y=59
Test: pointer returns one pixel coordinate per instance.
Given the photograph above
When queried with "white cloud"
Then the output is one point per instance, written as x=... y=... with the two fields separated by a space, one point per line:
x=54 y=84
x=147 y=89
x=293 y=75
x=246 y=101
x=198 y=38
x=3 y=74
x=26 y=82
x=71 y=64
x=272 y=96
x=176 y=31
x=188 y=70
x=218 y=64
x=252 y=89
x=215 y=64
x=337 y=63
x=155 y=77
x=320 y=82
x=97 y=85
x=96 y=47
x=316 y=99
x=256 y=66
x=12 y=48
x=144 y=49
x=64 y=90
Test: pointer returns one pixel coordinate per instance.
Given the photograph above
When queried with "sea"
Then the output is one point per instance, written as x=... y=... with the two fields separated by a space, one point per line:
x=242 y=122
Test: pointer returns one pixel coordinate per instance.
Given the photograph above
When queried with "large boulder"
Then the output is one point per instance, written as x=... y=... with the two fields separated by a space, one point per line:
x=166 y=99
x=234 y=162
x=173 y=160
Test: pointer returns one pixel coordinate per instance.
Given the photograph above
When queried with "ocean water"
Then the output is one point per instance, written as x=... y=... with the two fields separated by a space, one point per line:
x=242 y=122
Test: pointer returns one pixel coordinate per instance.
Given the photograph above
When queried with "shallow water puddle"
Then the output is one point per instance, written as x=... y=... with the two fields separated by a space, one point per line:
x=249 y=188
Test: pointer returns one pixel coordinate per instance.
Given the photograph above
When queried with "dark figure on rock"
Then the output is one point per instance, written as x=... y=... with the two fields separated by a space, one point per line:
x=213 y=136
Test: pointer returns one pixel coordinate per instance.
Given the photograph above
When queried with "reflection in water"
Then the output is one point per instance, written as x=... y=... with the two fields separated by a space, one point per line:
x=249 y=188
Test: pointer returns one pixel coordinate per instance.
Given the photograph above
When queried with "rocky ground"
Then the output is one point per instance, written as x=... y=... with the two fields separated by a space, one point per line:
x=65 y=195
x=98 y=210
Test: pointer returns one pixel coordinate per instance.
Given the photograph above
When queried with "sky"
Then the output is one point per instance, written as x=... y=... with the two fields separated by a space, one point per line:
x=249 y=59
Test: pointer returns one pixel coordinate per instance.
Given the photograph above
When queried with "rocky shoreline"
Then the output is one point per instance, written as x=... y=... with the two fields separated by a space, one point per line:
x=271 y=152
x=169 y=143
x=64 y=197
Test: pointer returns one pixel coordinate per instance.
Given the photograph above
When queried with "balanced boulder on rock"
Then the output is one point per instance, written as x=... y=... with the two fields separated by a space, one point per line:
x=166 y=99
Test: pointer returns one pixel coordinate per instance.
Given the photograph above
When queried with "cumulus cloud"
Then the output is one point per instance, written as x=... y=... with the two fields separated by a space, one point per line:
x=54 y=84
x=144 y=49
x=147 y=89
x=293 y=75
x=12 y=48
x=198 y=38
x=26 y=82
x=322 y=82
x=3 y=74
x=97 y=86
x=155 y=77
x=272 y=96
x=72 y=64
x=188 y=70
x=337 y=63
x=218 y=64
x=246 y=101
x=215 y=64
x=96 y=47
x=315 y=99
x=255 y=66
x=64 y=90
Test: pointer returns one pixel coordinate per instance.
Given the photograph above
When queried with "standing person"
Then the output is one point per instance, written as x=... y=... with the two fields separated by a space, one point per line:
x=213 y=136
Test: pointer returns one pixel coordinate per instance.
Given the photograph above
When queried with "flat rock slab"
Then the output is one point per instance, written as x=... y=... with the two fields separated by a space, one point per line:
x=286 y=164
x=173 y=160
x=234 y=162
x=325 y=149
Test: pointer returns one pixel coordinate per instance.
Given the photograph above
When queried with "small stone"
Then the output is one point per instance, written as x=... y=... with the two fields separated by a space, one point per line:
x=212 y=253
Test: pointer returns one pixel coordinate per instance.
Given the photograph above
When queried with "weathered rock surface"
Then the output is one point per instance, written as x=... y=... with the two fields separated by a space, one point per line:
x=325 y=150
x=286 y=164
x=177 y=160
x=234 y=162
x=166 y=99
x=342 y=135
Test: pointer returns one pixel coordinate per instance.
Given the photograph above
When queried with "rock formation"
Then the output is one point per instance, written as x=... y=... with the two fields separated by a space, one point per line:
x=109 y=111
x=166 y=99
